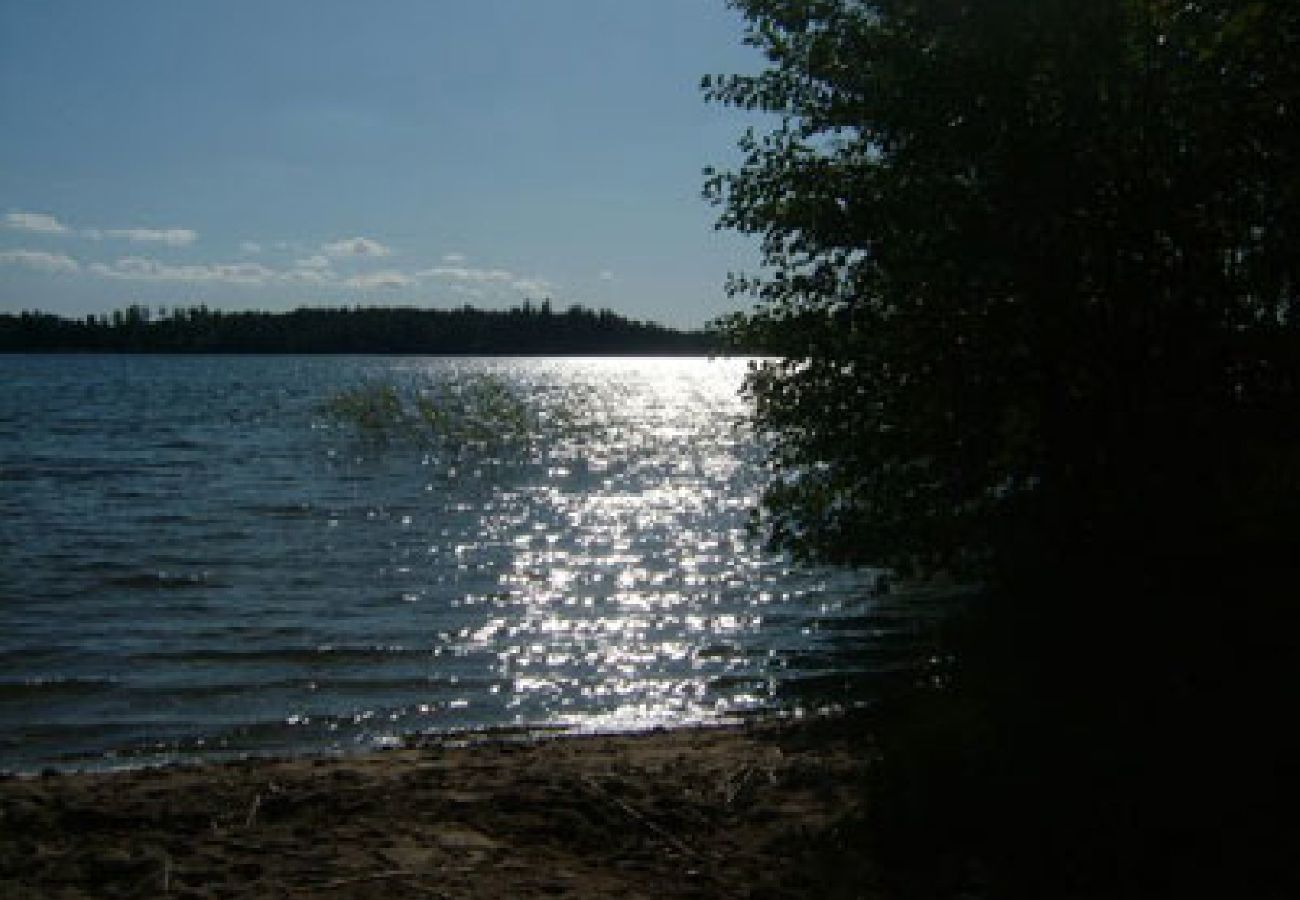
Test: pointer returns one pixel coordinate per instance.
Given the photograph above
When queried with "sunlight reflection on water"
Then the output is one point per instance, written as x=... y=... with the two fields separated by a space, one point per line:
x=211 y=565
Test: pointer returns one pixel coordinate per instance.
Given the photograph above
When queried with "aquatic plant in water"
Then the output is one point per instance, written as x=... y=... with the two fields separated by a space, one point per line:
x=374 y=409
x=476 y=409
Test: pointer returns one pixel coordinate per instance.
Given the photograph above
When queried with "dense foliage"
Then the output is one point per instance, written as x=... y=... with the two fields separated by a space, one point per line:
x=1030 y=296
x=1031 y=269
x=526 y=329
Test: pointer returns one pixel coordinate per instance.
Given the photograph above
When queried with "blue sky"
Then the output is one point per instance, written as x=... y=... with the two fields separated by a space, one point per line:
x=402 y=152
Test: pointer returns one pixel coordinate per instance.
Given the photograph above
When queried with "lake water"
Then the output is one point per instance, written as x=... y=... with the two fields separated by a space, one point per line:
x=212 y=556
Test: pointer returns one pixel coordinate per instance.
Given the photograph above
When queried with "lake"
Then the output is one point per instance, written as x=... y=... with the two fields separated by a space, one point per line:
x=204 y=557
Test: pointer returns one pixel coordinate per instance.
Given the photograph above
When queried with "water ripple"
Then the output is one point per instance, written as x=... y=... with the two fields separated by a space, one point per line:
x=217 y=556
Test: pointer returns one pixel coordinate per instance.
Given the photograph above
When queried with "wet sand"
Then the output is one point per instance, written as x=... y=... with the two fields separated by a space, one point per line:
x=721 y=812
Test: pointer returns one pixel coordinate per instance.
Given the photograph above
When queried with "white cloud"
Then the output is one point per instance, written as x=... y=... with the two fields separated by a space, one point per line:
x=44 y=262
x=172 y=237
x=310 y=276
x=386 y=279
x=357 y=246
x=42 y=223
x=311 y=270
x=460 y=273
x=494 y=277
x=530 y=285
x=139 y=268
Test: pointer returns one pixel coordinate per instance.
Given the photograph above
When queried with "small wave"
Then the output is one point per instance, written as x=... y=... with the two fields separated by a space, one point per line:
x=154 y=581
x=77 y=471
x=165 y=519
x=18 y=660
x=322 y=686
x=731 y=682
x=324 y=653
x=54 y=687
x=717 y=651
x=457 y=684
x=69 y=733
x=68 y=472
x=844 y=684
x=281 y=510
x=179 y=444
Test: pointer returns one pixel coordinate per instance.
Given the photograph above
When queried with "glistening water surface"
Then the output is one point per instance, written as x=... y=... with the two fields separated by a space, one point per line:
x=209 y=556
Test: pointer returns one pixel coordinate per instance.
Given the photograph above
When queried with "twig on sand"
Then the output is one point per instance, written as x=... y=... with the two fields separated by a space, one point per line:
x=377 y=876
x=743 y=779
x=641 y=820
x=734 y=783
x=252 y=811
x=166 y=877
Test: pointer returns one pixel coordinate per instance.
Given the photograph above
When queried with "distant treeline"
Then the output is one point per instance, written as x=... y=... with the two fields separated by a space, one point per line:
x=526 y=329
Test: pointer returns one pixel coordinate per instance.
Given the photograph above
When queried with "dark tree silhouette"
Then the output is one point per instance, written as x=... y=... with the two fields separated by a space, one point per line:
x=197 y=329
x=1020 y=254
x=1030 y=297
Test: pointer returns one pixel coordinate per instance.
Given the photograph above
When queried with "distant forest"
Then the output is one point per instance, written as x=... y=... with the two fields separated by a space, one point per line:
x=523 y=330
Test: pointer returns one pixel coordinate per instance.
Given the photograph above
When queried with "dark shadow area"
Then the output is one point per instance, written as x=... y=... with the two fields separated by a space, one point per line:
x=1126 y=738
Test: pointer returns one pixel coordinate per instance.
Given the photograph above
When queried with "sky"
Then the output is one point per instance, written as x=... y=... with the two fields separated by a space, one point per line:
x=269 y=155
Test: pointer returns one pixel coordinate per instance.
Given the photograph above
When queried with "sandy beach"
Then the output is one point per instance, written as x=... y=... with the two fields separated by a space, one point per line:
x=718 y=812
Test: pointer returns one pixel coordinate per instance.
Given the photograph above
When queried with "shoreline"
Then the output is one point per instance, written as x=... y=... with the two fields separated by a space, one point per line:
x=457 y=737
x=712 y=811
